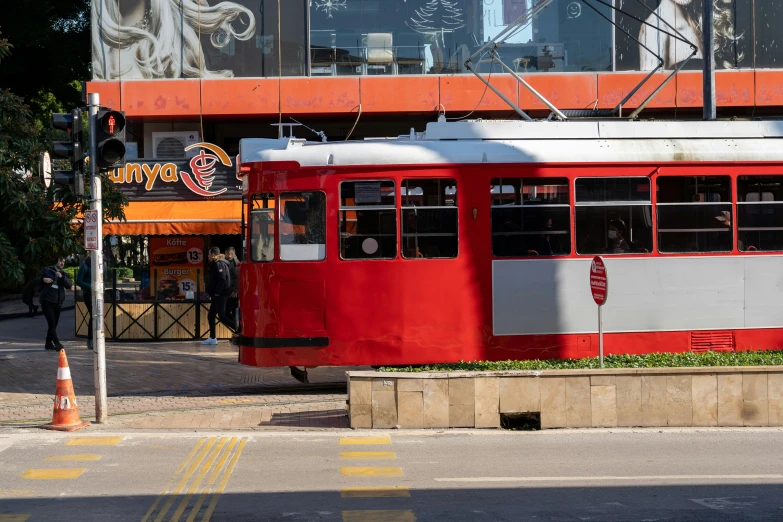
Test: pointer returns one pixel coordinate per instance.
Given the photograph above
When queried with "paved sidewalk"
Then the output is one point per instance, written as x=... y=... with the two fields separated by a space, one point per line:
x=16 y=309
x=164 y=385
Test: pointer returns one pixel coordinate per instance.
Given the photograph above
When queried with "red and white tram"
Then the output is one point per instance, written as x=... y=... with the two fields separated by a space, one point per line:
x=473 y=241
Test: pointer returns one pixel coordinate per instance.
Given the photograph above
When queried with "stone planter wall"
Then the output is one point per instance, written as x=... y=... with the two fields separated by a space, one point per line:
x=727 y=396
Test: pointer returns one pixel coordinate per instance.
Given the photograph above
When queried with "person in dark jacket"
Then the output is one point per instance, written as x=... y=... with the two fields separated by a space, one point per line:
x=233 y=300
x=84 y=281
x=53 y=283
x=219 y=290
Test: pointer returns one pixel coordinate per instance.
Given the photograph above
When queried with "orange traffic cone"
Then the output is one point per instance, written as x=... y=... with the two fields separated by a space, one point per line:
x=66 y=413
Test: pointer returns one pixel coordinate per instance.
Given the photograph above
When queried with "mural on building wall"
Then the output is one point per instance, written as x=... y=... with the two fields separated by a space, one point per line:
x=733 y=34
x=144 y=39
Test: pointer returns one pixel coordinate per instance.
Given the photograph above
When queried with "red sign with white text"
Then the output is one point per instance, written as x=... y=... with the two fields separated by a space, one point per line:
x=598 y=284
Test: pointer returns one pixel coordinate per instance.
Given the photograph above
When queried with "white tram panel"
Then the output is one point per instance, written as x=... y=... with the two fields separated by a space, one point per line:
x=535 y=297
x=538 y=142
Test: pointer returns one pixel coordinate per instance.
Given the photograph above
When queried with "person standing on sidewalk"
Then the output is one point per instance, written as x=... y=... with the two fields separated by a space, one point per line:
x=84 y=281
x=53 y=282
x=233 y=300
x=219 y=290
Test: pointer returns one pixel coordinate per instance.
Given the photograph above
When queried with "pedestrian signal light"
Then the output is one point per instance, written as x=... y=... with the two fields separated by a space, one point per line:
x=110 y=134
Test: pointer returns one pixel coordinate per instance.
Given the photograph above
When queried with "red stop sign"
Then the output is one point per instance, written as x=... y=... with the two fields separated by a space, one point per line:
x=598 y=284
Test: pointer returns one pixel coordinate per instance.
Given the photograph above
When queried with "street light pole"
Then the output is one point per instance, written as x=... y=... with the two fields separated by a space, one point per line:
x=99 y=341
x=708 y=45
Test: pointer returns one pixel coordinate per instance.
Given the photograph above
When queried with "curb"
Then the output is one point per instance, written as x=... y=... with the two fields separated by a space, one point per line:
x=21 y=315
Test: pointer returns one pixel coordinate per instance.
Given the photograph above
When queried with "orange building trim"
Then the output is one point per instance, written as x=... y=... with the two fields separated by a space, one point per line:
x=423 y=94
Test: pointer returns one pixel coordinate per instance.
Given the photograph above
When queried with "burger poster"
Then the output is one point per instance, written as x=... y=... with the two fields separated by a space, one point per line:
x=177 y=264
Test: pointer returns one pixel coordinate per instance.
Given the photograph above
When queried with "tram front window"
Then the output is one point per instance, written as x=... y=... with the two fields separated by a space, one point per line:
x=262 y=228
x=613 y=215
x=302 y=226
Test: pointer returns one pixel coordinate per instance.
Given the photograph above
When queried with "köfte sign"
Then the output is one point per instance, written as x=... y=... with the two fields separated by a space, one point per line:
x=177 y=264
x=208 y=174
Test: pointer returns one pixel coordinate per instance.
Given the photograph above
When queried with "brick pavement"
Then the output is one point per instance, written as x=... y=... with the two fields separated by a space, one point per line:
x=169 y=386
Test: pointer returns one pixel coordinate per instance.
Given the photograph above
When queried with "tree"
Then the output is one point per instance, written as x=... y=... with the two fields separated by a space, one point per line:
x=36 y=224
x=51 y=54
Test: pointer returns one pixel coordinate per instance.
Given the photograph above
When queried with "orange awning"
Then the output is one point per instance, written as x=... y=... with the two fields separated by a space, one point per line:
x=179 y=218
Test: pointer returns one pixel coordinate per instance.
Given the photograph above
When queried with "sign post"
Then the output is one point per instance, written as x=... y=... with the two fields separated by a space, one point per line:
x=99 y=341
x=599 y=288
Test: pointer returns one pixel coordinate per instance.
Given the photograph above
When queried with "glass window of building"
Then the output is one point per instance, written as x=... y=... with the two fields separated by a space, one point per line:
x=530 y=217
x=262 y=228
x=760 y=213
x=694 y=214
x=302 y=226
x=429 y=218
x=613 y=215
x=368 y=220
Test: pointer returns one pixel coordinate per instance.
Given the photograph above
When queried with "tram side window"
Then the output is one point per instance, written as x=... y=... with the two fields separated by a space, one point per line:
x=694 y=214
x=302 y=226
x=613 y=215
x=760 y=213
x=368 y=220
x=429 y=218
x=262 y=228
x=530 y=217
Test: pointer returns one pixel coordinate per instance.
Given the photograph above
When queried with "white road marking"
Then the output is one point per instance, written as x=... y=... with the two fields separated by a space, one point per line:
x=723 y=503
x=610 y=478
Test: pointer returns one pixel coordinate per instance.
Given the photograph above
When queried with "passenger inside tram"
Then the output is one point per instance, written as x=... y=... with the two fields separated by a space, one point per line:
x=616 y=234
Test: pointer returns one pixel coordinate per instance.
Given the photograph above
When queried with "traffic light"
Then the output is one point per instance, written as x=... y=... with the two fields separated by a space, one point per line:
x=71 y=149
x=110 y=137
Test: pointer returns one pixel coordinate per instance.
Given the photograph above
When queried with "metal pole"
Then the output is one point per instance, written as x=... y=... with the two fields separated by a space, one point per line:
x=601 y=335
x=708 y=52
x=99 y=340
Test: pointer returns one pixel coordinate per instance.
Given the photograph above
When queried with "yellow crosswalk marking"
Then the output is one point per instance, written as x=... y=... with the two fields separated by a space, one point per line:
x=355 y=471
x=375 y=492
x=53 y=473
x=223 y=482
x=81 y=457
x=347 y=441
x=14 y=518
x=94 y=441
x=368 y=455
x=377 y=515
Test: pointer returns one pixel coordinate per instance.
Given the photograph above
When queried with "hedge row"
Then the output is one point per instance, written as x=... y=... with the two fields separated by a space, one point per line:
x=652 y=360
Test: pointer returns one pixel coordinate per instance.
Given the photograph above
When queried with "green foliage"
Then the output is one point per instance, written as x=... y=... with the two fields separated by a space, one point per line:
x=651 y=360
x=36 y=224
x=71 y=271
x=123 y=272
x=52 y=49
x=5 y=48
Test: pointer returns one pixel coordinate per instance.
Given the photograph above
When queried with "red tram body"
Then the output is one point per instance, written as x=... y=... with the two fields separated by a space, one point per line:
x=473 y=241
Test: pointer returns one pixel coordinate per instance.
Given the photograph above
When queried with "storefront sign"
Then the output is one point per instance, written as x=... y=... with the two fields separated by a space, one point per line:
x=177 y=265
x=208 y=174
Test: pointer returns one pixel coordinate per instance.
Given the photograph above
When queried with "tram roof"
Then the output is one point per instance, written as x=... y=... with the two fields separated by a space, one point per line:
x=490 y=141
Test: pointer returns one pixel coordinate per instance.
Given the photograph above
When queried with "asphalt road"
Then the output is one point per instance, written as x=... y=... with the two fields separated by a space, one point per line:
x=602 y=475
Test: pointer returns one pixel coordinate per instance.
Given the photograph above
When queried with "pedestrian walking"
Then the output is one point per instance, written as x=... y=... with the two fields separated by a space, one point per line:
x=53 y=283
x=84 y=281
x=233 y=301
x=219 y=290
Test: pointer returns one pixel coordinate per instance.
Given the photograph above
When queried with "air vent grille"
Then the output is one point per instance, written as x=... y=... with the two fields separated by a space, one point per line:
x=715 y=341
